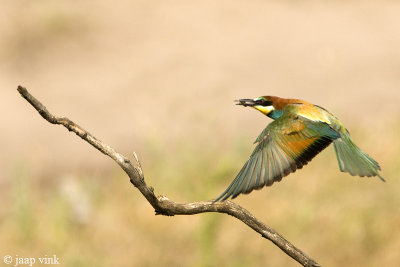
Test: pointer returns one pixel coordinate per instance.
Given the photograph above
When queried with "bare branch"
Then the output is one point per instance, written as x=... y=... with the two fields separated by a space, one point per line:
x=162 y=205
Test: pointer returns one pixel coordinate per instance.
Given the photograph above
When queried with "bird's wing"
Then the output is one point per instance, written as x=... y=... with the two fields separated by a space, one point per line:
x=285 y=145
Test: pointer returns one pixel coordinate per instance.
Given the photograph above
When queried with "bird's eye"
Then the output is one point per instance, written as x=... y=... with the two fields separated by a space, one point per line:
x=263 y=102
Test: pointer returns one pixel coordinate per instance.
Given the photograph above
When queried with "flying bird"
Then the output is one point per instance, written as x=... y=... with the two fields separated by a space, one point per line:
x=300 y=131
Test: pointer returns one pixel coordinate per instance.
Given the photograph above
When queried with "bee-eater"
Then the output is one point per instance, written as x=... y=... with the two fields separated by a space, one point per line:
x=300 y=131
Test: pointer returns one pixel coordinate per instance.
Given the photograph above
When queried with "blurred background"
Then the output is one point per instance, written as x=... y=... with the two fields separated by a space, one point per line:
x=159 y=78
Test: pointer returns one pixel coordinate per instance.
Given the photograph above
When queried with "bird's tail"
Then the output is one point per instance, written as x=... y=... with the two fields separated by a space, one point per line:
x=353 y=160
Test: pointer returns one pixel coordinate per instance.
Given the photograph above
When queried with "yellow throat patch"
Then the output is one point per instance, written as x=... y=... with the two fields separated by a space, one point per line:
x=264 y=109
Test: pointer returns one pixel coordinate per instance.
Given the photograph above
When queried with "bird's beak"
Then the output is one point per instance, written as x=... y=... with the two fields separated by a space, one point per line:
x=245 y=102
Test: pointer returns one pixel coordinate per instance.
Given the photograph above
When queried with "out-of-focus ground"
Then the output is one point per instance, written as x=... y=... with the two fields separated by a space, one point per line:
x=159 y=78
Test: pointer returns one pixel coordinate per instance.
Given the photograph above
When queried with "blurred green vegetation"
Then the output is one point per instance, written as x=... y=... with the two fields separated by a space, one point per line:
x=89 y=218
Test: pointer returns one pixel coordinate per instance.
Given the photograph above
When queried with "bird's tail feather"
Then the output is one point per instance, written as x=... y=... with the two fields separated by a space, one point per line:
x=353 y=160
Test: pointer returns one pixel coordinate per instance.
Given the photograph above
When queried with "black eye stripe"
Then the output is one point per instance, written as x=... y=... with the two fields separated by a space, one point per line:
x=263 y=102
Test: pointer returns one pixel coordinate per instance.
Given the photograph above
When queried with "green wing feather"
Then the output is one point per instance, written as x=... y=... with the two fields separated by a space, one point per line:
x=285 y=145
